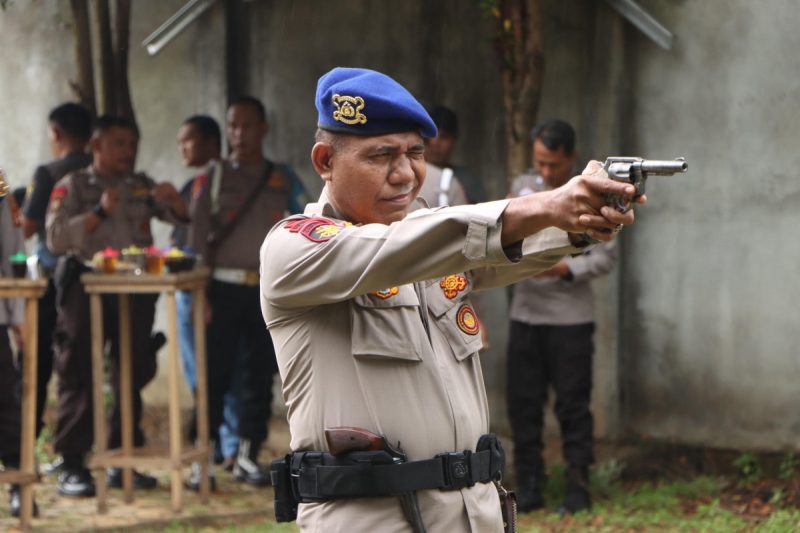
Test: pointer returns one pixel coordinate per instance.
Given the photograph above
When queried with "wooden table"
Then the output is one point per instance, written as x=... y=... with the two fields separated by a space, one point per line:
x=26 y=475
x=126 y=457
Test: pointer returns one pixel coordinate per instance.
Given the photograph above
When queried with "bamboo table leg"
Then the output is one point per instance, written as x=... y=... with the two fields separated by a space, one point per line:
x=28 y=430
x=201 y=400
x=174 y=405
x=126 y=391
x=98 y=381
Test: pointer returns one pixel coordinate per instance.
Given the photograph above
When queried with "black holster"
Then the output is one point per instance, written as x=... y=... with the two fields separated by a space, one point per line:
x=68 y=271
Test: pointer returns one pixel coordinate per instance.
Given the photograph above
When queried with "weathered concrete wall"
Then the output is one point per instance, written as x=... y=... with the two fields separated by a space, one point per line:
x=710 y=299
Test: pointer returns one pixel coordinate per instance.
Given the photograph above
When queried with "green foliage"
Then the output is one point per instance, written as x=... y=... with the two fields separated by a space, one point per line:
x=42 y=455
x=788 y=467
x=748 y=467
x=605 y=477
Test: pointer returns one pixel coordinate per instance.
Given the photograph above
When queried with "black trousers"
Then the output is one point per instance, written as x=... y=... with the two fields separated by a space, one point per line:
x=44 y=365
x=73 y=365
x=10 y=415
x=235 y=315
x=539 y=356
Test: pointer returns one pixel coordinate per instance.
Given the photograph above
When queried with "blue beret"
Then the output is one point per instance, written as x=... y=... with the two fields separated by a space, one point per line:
x=366 y=102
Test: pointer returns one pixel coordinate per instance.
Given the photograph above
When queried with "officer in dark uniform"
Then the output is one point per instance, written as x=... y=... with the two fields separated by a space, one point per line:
x=68 y=132
x=105 y=204
x=231 y=213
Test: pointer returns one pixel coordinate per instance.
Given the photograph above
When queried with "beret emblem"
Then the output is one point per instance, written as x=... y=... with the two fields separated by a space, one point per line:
x=348 y=109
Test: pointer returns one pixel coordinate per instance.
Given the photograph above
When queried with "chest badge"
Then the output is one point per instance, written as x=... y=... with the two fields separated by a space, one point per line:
x=384 y=294
x=317 y=229
x=467 y=320
x=452 y=285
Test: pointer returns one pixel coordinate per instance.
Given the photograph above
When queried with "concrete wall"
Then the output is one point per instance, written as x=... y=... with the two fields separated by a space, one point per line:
x=710 y=296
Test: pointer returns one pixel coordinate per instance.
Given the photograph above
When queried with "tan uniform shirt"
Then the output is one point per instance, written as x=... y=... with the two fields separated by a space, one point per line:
x=432 y=190
x=213 y=206
x=74 y=197
x=373 y=328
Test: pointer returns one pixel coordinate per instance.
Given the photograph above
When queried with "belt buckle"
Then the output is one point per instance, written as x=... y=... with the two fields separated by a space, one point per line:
x=456 y=468
x=251 y=277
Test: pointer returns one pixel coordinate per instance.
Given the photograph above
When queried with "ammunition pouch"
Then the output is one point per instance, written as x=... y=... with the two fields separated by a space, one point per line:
x=68 y=271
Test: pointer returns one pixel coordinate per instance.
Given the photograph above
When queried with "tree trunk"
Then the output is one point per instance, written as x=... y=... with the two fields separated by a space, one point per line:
x=122 y=19
x=83 y=87
x=108 y=102
x=518 y=43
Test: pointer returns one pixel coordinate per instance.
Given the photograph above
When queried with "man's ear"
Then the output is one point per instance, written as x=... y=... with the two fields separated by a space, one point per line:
x=95 y=142
x=322 y=159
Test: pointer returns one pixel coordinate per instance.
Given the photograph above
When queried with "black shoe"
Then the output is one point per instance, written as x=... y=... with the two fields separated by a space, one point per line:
x=140 y=481
x=577 y=496
x=246 y=467
x=529 y=499
x=194 y=478
x=54 y=468
x=75 y=482
x=16 y=502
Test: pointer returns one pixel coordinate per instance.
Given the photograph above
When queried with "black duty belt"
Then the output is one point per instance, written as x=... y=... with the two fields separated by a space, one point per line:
x=320 y=476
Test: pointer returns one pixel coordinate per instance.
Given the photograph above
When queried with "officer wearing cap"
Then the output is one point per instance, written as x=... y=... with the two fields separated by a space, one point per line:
x=368 y=306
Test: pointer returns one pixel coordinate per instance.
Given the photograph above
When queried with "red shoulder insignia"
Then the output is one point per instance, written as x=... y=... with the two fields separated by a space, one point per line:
x=57 y=197
x=198 y=184
x=276 y=180
x=316 y=229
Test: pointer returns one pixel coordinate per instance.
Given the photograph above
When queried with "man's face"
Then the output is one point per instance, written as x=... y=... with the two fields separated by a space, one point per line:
x=554 y=166
x=114 y=151
x=439 y=150
x=375 y=179
x=195 y=149
x=245 y=129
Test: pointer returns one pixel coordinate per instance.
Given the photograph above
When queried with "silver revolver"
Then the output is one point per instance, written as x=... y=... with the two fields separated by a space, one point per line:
x=635 y=170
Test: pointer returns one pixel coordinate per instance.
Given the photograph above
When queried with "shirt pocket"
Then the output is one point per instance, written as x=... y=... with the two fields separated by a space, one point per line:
x=387 y=325
x=456 y=319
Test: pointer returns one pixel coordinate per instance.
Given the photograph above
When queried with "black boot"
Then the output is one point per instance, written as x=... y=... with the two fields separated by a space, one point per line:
x=529 y=494
x=246 y=467
x=15 y=502
x=576 y=497
x=75 y=479
x=140 y=481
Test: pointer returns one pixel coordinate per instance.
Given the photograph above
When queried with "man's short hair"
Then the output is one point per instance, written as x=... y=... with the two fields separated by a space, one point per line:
x=208 y=128
x=252 y=101
x=445 y=119
x=555 y=134
x=73 y=119
x=334 y=138
x=106 y=122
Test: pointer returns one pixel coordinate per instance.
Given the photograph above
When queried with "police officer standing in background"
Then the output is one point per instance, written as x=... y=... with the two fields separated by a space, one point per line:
x=231 y=211
x=68 y=132
x=373 y=327
x=550 y=341
x=105 y=204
